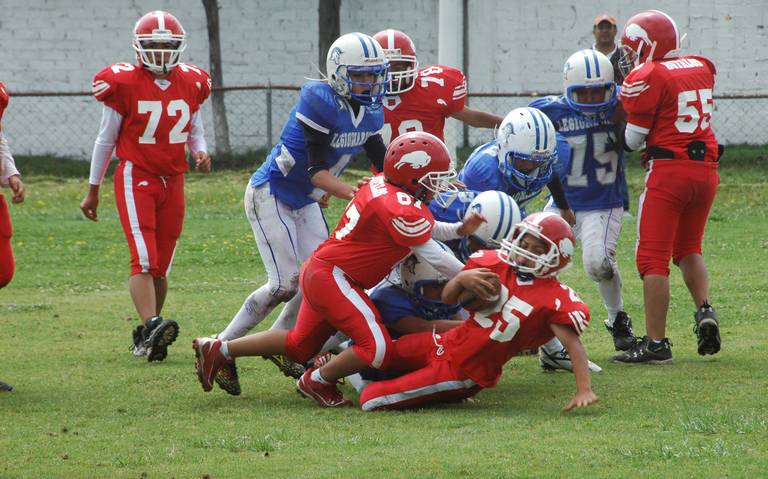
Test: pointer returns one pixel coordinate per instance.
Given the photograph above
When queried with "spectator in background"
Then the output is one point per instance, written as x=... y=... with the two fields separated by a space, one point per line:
x=604 y=29
x=9 y=176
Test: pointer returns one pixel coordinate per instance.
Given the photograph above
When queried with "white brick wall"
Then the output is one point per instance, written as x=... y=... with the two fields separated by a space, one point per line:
x=515 y=45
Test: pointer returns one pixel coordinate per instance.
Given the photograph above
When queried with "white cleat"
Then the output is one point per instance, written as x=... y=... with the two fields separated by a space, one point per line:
x=561 y=361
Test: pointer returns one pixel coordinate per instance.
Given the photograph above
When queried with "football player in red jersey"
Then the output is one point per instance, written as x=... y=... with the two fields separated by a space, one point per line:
x=668 y=101
x=387 y=220
x=533 y=307
x=9 y=176
x=151 y=113
x=420 y=99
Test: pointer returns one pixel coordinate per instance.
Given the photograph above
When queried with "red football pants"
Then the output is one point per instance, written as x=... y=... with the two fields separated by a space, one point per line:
x=672 y=212
x=435 y=380
x=151 y=210
x=7 y=265
x=331 y=302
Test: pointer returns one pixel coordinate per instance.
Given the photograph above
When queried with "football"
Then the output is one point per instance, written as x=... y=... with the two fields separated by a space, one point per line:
x=471 y=302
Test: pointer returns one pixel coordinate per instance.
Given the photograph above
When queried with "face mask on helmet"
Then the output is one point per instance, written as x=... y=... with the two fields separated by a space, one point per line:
x=420 y=279
x=588 y=82
x=527 y=149
x=404 y=66
x=437 y=186
x=531 y=251
x=159 y=39
x=357 y=69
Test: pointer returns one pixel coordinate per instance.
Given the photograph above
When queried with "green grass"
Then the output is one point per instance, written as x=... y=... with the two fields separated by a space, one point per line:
x=84 y=407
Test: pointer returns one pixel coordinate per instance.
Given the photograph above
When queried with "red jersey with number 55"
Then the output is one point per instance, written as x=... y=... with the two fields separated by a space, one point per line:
x=482 y=344
x=376 y=232
x=671 y=101
x=3 y=100
x=438 y=93
x=156 y=113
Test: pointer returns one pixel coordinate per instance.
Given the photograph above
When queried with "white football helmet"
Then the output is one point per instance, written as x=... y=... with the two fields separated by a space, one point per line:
x=415 y=273
x=588 y=69
x=357 y=53
x=526 y=134
x=501 y=213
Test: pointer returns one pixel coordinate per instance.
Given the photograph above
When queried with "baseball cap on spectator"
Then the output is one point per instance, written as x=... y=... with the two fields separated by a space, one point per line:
x=605 y=18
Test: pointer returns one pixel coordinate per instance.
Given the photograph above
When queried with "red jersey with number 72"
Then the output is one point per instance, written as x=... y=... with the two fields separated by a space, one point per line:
x=521 y=320
x=438 y=92
x=376 y=231
x=156 y=113
x=671 y=101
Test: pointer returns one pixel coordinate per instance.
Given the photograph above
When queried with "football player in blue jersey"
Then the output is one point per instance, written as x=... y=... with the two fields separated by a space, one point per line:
x=521 y=161
x=332 y=121
x=585 y=117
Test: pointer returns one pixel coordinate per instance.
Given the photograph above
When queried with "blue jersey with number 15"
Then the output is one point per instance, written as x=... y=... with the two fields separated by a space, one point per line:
x=588 y=173
x=322 y=109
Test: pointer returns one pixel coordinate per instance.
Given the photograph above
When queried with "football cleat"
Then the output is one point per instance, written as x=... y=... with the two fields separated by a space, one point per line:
x=286 y=366
x=326 y=395
x=5 y=387
x=158 y=334
x=227 y=378
x=707 y=329
x=209 y=360
x=137 y=348
x=561 y=361
x=646 y=352
x=621 y=330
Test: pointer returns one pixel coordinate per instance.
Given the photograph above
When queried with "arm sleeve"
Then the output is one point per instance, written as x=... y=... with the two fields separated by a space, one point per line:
x=104 y=144
x=316 y=143
x=444 y=262
x=375 y=149
x=634 y=136
x=196 y=141
x=558 y=193
x=443 y=231
x=7 y=164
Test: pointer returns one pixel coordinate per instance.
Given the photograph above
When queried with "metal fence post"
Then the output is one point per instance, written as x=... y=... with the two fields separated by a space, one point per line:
x=269 y=115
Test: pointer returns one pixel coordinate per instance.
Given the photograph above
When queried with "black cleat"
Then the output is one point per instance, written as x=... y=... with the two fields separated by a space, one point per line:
x=158 y=334
x=286 y=366
x=646 y=352
x=621 y=330
x=137 y=348
x=4 y=387
x=707 y=329
x=227 y=378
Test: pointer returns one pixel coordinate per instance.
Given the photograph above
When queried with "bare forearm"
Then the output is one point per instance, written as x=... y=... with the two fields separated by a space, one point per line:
x=330 y=184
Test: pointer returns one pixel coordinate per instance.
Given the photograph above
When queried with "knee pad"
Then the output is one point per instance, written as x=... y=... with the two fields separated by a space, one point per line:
x=599 y=268
x=284 y=292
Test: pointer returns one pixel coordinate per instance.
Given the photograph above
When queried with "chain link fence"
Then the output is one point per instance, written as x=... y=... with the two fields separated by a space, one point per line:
x=66 y=124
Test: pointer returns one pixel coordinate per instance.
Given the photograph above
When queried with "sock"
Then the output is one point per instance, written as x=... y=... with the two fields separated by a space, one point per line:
x=224 y=350
x=255 y=308
x=358 y=382
x=287 y=317
x=610 y=290
x=553 y=346
x=317 y=377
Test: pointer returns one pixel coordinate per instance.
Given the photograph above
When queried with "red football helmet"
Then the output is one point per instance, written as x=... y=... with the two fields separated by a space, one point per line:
x=404 y=66
x=558 y=241
x=648 y=36
x=162 y=28
x=419 y=163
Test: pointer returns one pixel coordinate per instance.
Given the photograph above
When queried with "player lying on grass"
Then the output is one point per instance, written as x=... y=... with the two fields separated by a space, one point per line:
x=532 y=308
x=386 y=221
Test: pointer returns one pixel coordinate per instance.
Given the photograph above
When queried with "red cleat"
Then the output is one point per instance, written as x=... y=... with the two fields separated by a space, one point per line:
x=209 y=360
x=326 y=395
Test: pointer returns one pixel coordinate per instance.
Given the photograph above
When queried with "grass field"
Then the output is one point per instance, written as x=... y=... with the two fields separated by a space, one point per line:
x=84 y=407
